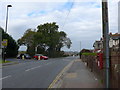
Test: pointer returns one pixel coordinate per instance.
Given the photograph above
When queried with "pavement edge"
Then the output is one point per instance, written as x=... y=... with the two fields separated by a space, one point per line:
x=57 y=81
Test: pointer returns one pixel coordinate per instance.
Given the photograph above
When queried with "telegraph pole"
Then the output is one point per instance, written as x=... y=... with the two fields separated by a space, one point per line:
x=80 y=45
x=106 y=41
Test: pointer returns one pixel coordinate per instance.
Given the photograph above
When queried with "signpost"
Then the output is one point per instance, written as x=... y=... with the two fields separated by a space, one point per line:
x=4 y=45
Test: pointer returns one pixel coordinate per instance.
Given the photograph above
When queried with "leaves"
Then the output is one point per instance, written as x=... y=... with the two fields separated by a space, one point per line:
x=47 y=37
x=12 y=48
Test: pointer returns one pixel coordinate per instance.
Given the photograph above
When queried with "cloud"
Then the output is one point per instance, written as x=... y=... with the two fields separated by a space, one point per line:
x=84 y=22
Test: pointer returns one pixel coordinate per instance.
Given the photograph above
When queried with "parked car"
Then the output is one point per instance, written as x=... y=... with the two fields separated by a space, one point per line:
x=36 y=56
x=26 y=56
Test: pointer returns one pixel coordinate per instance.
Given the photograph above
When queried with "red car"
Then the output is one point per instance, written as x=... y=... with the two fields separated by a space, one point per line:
x=36 y=56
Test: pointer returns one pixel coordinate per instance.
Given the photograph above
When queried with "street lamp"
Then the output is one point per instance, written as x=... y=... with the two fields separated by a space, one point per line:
x=7 y=17
x=6 y=31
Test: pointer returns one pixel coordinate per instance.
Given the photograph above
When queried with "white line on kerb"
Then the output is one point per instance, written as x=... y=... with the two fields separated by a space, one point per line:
x=5 y=77
x=95 y=78
x=32 y=68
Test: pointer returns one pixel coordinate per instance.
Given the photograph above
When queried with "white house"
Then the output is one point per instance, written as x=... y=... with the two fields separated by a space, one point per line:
x=98 y=44
x=114 y=40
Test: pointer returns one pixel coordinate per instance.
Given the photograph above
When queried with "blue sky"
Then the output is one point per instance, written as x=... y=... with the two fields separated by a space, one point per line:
x=84 y=22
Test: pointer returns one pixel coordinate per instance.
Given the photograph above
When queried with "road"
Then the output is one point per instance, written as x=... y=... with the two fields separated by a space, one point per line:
x=33 y=73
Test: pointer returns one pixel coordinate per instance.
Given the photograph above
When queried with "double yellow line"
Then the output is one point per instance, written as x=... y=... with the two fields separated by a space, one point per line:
x=59 y=75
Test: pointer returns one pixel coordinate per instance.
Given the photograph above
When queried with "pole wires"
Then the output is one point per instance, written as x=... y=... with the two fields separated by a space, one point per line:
x=71 y=6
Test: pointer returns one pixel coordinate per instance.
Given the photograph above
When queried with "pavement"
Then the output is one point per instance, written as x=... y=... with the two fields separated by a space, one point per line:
x=78 y=76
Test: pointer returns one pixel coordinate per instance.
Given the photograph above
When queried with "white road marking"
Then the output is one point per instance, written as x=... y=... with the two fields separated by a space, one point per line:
x=95 y=78
x=32 y=68
x=5 y=77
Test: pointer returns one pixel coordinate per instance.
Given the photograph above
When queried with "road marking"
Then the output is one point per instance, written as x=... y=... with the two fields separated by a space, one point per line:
x=32 y=68
x=5 y=77
x=60 y=74
x=95 y=78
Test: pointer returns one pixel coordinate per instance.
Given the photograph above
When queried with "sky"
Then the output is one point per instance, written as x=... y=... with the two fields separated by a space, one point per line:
x=80 y=19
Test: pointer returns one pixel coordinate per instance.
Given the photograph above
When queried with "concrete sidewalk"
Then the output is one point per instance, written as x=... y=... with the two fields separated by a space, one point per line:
x=79 y=76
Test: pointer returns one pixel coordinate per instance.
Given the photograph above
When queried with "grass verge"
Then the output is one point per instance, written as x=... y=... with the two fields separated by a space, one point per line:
x=1 y=61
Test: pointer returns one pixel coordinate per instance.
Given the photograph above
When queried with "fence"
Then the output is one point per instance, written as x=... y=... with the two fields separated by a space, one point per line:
x=114 y=67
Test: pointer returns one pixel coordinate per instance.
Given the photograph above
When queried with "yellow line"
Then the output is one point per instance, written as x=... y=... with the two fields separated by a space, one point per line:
x=59 y=75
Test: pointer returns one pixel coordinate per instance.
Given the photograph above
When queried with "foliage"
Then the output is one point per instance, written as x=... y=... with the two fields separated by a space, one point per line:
x=48 y=40
x=93 y=54
x=12 y=48
x=27 y=38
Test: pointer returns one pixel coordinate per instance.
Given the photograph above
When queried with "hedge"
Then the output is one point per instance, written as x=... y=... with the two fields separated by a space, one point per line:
x=93 y=54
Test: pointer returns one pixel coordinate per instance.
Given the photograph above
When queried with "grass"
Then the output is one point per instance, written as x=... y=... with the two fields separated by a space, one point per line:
x=93 y=54
x=1 y=61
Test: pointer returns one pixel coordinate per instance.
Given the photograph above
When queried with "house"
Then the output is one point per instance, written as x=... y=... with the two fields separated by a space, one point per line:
x=98 y=45
x=114 y=41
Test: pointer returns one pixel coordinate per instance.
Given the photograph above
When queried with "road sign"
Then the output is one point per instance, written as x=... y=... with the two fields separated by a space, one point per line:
x=5 y=42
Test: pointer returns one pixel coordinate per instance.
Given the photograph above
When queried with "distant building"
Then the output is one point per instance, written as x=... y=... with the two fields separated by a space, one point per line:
x=70 y=53
x=22 y=48
x=98 y=45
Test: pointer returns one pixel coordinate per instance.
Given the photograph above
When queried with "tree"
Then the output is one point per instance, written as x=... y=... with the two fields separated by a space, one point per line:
x=48 y=40
x=12 y=48
x=52 y=38
x=28 y=40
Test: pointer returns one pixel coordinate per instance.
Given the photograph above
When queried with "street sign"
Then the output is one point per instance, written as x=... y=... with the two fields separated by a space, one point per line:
x=5 y=42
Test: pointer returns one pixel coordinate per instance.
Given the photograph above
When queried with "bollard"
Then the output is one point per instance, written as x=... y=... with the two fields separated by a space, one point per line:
x=23 y=57
x=38 y=57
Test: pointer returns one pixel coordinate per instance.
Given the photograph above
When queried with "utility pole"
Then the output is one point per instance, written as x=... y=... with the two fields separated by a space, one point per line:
x=106 y=41
x=80 y=50
x=80 y=45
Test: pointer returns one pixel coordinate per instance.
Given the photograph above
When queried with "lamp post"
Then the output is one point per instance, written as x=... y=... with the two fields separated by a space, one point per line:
x=6 y=30
x=7 y=17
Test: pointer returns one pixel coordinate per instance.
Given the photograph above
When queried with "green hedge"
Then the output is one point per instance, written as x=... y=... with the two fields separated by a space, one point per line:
x=93 y=54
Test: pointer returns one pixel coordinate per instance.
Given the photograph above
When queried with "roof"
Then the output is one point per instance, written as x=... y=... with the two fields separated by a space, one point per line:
x=115 y=36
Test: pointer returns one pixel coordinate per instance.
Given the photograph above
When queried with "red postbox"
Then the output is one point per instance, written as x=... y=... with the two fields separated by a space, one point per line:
x=100 y=60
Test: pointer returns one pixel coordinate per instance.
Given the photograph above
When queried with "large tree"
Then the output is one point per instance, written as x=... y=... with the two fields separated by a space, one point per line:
x=52 y=38
x=12 y=47
x=47 y=39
